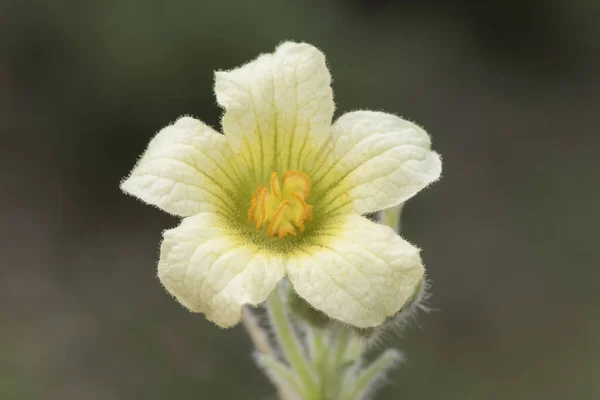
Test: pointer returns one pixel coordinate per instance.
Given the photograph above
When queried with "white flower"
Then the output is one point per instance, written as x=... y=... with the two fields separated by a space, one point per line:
x=282 y=194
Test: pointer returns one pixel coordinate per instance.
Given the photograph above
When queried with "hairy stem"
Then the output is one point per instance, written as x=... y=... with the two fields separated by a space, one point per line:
x=289 y=342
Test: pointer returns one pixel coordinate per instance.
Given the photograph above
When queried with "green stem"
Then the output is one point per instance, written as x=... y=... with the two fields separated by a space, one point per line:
x=289 y=343
x=318 y=348
x=342 y=343
x=337 y=359
x=355 y=349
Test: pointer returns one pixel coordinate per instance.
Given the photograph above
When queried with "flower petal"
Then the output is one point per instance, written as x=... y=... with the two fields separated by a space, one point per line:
x=360 y=272
x=185 y=170
x=278 y=108
x=379 y=161
x=209 y=269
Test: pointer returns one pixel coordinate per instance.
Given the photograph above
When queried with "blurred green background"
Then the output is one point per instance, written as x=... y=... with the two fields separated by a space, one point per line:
x=509 y=91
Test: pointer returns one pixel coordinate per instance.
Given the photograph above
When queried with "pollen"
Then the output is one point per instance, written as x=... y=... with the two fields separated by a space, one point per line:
x=282 y=208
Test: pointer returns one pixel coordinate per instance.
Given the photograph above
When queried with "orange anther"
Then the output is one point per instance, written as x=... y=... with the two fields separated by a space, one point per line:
x=284 y=207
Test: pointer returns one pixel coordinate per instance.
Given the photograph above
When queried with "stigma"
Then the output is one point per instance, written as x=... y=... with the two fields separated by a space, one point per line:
x=282 y=208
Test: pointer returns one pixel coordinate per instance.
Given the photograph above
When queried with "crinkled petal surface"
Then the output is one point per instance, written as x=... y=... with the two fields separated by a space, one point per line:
x=277 y=119
x=360 y=272
x=379 y=160
x=185 y=170
x=278 y=108
x=209 y=269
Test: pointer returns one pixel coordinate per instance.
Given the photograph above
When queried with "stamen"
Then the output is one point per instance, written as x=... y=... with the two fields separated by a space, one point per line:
x=274 y=183
x=284 y=208
x=252 y=213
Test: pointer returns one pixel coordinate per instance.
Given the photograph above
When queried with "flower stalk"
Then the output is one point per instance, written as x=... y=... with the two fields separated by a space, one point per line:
x=308 y=362
x=290 y=343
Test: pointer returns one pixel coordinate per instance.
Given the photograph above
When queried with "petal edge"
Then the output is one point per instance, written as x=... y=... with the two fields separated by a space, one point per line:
x=208 y=269
x=184 y=170
x=356 y=280
x=380 y=161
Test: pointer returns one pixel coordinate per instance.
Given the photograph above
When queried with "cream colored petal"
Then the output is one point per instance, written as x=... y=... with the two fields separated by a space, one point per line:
x=359 y=273
x=185 y=170
x=209 y=269
x=278 y=108
x=379 y=161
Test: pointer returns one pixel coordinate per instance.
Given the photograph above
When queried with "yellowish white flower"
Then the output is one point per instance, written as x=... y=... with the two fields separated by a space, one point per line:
x=282 y=192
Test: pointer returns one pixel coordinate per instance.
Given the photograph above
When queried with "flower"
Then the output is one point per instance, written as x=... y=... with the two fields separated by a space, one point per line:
x=282 y=192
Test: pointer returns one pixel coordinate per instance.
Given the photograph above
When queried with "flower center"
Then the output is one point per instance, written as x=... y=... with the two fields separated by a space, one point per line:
x=284 y=207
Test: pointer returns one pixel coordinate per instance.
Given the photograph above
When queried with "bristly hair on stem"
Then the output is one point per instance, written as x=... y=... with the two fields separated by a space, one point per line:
x=307 y=361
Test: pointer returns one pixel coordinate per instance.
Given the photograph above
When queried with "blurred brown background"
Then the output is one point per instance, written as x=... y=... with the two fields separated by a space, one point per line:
x=509 y=91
